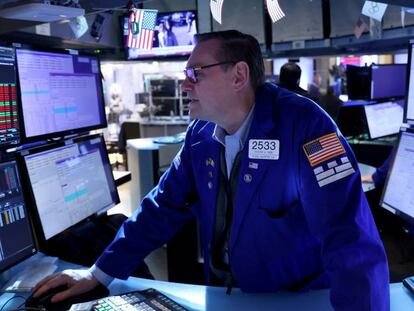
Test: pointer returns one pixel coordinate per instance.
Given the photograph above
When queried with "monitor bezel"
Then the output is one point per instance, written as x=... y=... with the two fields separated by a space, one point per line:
x=18 y=99
x=407 y=86
x=29 y=214
x=65 y=133
x=38 y=227
x=163 y=56
x=389 y=208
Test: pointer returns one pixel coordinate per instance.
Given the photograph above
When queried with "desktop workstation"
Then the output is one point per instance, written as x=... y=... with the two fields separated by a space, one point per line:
x=72 y=162
x=210 y=298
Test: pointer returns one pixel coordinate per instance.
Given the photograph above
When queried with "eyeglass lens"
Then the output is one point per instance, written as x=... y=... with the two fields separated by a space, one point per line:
x=191 y=74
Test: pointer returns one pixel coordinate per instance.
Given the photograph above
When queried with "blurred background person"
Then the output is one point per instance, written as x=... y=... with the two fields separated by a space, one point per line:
x=115 y=103
x=166 y=36
x=289 y=78
x=314 y=88
x=331 y=103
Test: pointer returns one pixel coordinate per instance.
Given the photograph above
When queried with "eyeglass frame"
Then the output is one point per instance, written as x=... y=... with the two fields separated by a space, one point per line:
x=193 y=78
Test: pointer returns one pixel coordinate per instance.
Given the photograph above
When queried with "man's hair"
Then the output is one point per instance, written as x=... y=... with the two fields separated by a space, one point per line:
x=237 y=46
x=289 y=75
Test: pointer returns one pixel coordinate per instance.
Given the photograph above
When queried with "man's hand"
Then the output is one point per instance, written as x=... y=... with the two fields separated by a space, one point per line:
x=77 y=282
x=367 y=178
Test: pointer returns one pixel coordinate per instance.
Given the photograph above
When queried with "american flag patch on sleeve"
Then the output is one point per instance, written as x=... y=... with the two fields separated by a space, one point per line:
x=323 y=149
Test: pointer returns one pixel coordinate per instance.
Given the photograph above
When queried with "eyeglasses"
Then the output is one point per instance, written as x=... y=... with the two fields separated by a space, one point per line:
x=192 y=72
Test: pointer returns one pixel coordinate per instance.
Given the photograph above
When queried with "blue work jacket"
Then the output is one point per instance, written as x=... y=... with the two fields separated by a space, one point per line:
x=301 y=220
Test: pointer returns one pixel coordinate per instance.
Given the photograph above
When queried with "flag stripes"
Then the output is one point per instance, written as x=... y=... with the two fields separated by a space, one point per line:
x=141 y=29
x=215 y=7
x=323 y=148
x=274 y=10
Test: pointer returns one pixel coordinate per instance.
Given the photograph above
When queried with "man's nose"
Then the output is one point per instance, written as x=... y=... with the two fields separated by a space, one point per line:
x=186 y=85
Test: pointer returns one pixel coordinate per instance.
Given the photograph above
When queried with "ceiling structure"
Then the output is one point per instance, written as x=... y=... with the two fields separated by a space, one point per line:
x=407 y=3
x=9 y=30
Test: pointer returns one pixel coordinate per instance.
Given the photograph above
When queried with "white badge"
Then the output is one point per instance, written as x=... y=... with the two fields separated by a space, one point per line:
x=264 y=149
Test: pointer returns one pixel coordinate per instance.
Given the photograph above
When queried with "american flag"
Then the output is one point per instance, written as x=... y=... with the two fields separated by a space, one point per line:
x=141 y=29
x=215 y=8
x=323 y=149
x=274 y=10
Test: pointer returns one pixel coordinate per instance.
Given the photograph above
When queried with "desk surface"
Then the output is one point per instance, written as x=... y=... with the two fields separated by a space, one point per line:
x=166 y=121
x=153 y=143
x=121 y=177
x=197 y=297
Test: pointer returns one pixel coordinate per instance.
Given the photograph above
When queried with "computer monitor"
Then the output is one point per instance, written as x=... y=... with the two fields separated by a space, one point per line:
x=9 y=114
x=384 y=119
x=70 y=181
x=351 y=119
x=173 y=35
x=388 y=81
x=358 y=81
x=409 y=98
x=16 y=238
x=397 y=196
x=61 y=93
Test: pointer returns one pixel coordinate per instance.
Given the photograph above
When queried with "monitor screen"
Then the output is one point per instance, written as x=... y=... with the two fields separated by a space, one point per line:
x=9 y=117
x=70 y=182
x=60 y=93
x=16 y=239
x=384 y=119
x=358 y=81
x=397 y=196
x=409 y=99
x=388 y=81
x=173 y=35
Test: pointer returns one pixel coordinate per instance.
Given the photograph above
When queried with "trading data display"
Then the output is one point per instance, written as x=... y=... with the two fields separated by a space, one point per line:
x=59 y=92
x=398 y=195
x=385 y=118
x=71 y=183
x=9 y=123
x=16 y=240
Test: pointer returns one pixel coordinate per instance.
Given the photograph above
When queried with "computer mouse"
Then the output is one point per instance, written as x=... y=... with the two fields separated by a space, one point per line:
x=44 y=302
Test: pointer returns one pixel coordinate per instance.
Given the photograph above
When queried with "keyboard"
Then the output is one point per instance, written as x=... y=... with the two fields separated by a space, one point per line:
x=145 y=300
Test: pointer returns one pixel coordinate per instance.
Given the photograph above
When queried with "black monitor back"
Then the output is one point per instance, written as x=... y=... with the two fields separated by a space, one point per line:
x=352 y=121
x=358 y=82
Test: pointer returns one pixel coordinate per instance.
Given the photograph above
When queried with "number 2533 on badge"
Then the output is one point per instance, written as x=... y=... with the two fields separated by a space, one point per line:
x=264 y=149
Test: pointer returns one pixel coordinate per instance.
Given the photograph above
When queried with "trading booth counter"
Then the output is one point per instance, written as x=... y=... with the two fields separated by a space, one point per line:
x=197 y=297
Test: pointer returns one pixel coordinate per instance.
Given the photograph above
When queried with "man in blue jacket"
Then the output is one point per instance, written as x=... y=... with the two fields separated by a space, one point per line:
x=273 y=184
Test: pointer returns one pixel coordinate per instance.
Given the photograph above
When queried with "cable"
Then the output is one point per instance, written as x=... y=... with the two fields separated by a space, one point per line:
x=10 y=299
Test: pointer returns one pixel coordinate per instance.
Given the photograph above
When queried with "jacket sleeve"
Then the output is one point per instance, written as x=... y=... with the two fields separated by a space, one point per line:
x=381 y=172
x=338 y=214
x=163 y=212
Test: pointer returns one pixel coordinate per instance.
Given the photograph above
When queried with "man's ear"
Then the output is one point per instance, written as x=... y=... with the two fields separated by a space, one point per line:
x=241 y=75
